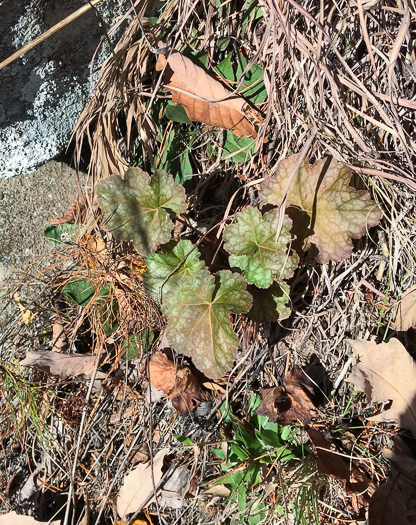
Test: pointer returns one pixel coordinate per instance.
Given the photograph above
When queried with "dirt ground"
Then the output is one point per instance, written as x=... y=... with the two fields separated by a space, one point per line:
x=27 y=203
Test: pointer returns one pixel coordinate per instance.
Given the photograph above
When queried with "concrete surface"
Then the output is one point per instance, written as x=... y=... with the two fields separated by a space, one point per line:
x=26 y=204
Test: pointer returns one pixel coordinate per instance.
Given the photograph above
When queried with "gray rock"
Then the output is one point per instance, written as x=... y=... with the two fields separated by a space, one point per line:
x=44 y=91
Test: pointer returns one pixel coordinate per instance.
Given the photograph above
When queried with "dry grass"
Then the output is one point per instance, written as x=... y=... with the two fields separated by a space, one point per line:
x=340 y=78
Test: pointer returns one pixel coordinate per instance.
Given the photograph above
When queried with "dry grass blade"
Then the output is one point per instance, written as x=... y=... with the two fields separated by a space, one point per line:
x=49 y=32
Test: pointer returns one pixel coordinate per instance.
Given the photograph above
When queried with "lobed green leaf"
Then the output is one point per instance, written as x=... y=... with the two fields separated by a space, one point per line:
x=251 y=241
x=139 y=208
x=337 y=211
x=198 y=323
x=165 y=270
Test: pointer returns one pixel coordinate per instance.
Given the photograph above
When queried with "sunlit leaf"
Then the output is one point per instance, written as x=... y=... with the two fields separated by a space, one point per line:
x=198 y=322
x=337 y=211
x=62 y=233
x=168 y=268
x=251 y=241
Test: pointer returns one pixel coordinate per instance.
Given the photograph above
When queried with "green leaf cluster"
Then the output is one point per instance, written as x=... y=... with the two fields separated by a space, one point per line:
x=251 y=241
x=196 y=303
x=256 y=443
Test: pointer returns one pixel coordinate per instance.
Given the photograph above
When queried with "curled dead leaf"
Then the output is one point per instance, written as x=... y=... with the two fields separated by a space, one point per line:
x=178 y=383
x=290 y=402
x=59 y=338
x=205 y=99
x=75 y=212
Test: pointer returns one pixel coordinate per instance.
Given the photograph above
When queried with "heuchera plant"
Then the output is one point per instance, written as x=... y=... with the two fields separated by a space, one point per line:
x=197 y=304
x=139 y=208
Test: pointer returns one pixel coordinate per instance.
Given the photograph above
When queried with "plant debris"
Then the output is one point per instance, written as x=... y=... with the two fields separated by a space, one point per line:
x=290 y=402
x=387 y=374
x=196 y=235
x=178 y=383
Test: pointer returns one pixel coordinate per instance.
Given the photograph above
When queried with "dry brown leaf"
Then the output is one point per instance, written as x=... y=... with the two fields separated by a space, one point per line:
x=11 y=518
x=329 y=463
x=401 y=458
x=94 y=250
x=74 y=213
x=219 y=491
x=393 y=503
x=386 y=372
x=139 y=484
x=290 y=402
x=178 y=383
x=59 y=338
x=405 y=315
x=62 y=365
x=205 y=99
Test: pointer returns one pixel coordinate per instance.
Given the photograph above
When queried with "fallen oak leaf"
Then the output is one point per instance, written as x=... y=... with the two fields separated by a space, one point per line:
x=205 y=99
x=386 y=372
x=290 y=402
x=405 y=314
x=139 y=484
x=178 y=383
x=62 y=365
x=331 y=464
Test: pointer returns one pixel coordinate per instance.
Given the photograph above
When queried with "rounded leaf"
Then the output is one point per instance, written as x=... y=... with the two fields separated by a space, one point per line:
x=165 y=270
x=139 y=208
x=251 y=241
x=338 y=212
x=198 y=323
